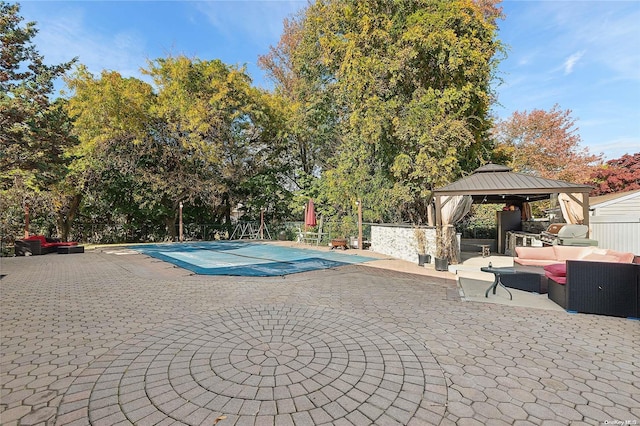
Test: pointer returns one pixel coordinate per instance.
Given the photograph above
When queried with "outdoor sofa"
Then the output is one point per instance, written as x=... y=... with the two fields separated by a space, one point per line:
x=604 y=288
x=39 y=244
x=586 y=279
x=528 y=257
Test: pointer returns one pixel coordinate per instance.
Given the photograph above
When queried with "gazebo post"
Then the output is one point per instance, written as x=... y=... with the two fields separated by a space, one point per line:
x=438 y=210
x=585 y=213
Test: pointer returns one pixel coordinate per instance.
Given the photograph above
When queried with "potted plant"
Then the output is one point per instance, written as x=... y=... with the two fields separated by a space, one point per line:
x=421 y=241
x=443 y=250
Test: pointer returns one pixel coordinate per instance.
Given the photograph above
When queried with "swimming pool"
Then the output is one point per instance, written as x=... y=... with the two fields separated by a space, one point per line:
x=244 y=258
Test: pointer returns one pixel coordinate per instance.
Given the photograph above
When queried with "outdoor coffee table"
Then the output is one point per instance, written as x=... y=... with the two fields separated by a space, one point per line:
x=497 y=272
x=70 y=249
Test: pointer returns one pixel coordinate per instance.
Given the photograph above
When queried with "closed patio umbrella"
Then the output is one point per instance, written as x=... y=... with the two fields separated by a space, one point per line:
x=310 y=215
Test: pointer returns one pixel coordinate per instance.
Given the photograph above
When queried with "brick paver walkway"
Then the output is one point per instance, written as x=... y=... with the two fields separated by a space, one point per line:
x=105 y=338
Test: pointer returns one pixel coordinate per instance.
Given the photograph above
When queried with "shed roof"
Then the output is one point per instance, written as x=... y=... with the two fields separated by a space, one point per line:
x=612 y=198
x=497 y=183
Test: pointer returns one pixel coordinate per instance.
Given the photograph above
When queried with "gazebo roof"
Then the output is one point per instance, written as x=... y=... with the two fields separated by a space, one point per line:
x=494 y=183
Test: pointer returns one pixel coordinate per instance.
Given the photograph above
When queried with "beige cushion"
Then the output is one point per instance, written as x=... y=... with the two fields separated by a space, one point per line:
x=571 y=252
x=622 y=257
x=544 y=253
x=595 y=257
x=534 y=262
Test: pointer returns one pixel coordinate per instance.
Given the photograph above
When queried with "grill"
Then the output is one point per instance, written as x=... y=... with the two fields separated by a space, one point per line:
x=563 y=234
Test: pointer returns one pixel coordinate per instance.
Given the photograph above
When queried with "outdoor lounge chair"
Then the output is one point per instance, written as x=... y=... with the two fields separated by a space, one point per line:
x=39 y=244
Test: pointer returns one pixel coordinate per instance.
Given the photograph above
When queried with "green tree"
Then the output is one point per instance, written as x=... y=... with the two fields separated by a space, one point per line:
x=34 y=129
x=310 y=113
x=229 y=131
x=410 y=84
x=109 y=167
x=196 y=138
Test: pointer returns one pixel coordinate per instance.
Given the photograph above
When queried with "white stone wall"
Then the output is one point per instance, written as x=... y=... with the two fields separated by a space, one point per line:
x=400 y=241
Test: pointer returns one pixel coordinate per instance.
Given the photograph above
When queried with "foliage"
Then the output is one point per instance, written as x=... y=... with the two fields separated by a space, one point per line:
x=545 y=143
x=203 y=137
x=402 y=91
x=421 y=240
x=375 y=101
x=35 y=131
x=113 y=144
x=480 y=222
x=617 y=175
x=311 y=115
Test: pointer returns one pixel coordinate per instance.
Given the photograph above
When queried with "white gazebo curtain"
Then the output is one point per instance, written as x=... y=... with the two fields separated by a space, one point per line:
x=453 y=208
x=572 y=207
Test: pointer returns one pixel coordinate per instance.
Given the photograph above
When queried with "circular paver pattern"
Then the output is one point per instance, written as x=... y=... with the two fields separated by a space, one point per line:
x=304 y=364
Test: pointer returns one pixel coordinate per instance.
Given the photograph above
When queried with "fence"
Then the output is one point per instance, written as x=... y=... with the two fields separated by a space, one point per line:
x=330 y=230
x=620 y=233
x=109 y=233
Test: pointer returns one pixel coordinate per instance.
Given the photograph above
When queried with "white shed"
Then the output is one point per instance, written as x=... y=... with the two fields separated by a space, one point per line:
x=615 y=221
x=616 y=204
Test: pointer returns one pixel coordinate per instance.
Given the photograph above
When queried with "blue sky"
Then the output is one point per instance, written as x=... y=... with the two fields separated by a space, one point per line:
x=582 y=55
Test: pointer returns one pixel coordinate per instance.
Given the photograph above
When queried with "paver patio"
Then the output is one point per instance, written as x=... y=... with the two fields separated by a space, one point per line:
x=104 y=338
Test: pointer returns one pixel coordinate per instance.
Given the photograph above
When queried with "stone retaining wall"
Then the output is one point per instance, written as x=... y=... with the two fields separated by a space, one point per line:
x=399 y=241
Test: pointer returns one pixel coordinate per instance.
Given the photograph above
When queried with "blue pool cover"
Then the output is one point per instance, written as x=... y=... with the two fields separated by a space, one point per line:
x=244 y=258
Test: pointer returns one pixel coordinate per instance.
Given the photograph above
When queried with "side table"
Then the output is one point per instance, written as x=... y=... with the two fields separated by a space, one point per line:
x=497 y=282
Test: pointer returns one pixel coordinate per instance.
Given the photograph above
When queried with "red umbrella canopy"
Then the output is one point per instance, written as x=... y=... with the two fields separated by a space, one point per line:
x=310 y=218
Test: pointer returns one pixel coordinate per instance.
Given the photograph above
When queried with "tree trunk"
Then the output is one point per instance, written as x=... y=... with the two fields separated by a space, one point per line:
x=66 y=216
x=170 y=221
x=227 y=209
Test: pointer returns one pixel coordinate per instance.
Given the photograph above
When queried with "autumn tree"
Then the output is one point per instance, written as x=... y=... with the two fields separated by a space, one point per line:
x=109 y=171
x=544 y=143
x=221 y=121
x=617 y=175
x=403 y=89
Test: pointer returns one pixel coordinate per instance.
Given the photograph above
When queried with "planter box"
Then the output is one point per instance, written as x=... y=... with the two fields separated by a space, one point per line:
x=424 y=259
x=441 y=264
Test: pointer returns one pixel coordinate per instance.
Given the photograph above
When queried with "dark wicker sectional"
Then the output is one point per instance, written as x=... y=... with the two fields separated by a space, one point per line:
x=603 y=288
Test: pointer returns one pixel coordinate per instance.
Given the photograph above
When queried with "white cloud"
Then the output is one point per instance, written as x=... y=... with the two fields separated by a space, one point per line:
x=615 y=147
x=571 y=62
x=609 y=30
